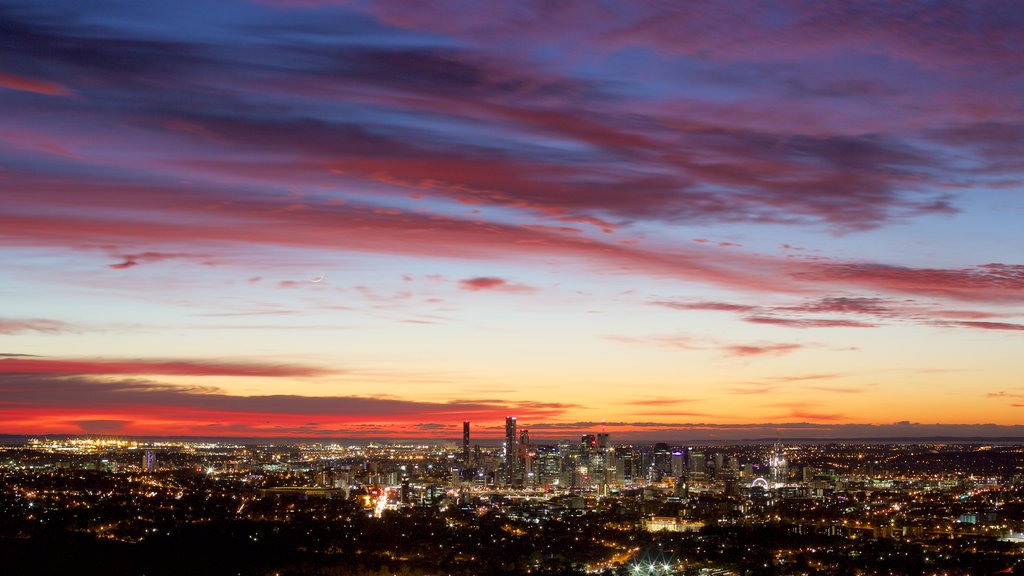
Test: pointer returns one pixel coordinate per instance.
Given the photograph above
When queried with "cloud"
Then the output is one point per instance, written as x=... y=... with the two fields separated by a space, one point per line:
x=808 y=322
x=761 y=349
x=683 y=342
x=491 y=283
x=712 y=306
x=665 y=341
x=46 y=399
x=41 y=325
x=994 y=282
x=989 y=325
x=661 y=401
x=10 y=365
x=844 y=305
x=434 y=427
x=102 y=426
x=802 y=411
x=872 y=312
x=772 y=384
x=132 y=260
x=42 y=87
x=493 y=109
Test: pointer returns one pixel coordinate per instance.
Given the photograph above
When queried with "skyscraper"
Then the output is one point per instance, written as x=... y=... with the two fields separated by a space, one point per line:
x=465 y=443
x=697 y=464
x=525 y=462
x=149 y=461
x=678 y=463
x=511 y=451
x=778 y=466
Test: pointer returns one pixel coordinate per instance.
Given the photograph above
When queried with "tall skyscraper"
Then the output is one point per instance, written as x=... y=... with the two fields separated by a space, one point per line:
x=511 y=451
x=697 y=464
x=678 y=463
x=525 y=462
x=778 y=466
x=149 y=461
x=465 y=443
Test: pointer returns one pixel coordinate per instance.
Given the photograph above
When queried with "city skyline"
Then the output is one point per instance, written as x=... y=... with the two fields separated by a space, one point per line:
x=327 y=219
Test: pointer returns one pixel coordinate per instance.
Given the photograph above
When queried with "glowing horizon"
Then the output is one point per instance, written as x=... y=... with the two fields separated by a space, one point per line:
x=346 y=219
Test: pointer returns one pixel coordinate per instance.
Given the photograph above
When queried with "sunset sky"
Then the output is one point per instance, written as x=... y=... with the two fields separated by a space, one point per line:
x=378 y=219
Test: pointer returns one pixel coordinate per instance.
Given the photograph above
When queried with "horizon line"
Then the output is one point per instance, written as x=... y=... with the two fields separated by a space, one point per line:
x=5 y=438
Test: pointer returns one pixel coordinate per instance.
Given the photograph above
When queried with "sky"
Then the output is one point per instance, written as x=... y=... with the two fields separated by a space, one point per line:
x=697 y=220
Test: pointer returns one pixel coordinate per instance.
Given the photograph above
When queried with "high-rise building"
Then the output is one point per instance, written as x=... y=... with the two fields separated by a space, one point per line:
x=525 y=461
x=588 y=441
x=465 y=443
x=549 y=466
x=511 y=452
x=631 y=466
x=697 y=464
x=149 y=461
x=678 y=463
x=662 y=460
x=778 y=466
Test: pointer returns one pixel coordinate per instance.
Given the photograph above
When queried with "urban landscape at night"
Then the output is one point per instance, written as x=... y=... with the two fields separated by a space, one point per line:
x=586 y=506
x=540 y=287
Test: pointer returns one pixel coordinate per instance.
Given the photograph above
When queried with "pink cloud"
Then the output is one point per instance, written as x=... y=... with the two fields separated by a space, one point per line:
x=491 y=283
x=985 y=283
x=990 y=325
x=132 y=260
x=42 y=325
x=808 y=322
x=711 y=306
x=669 y=341
x=34 y=86
x=761 y=350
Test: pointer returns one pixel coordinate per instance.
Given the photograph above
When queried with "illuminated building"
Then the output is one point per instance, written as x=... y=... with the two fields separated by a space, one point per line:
x=525 y=459
x=149 y=461
x=511 y=449
x=549 y=466
x=778 y=466
x=678 y=463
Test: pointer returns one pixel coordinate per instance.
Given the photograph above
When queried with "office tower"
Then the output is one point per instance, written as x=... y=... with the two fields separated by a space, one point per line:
x=549 y=466
x=465 y=443
x=778 y=466
x=588 y=441
x=697 y=462
x=662 y=459
x=149 y=461
x=631 y=467
x=678 y=463
x=525 y=461
x=511 y=451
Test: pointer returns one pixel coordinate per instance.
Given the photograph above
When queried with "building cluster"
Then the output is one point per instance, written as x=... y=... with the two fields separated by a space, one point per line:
x=594 y=464
x=948 y=501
